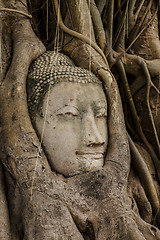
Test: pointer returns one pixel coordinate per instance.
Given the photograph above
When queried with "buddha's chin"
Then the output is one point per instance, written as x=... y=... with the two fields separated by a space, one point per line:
x=87 y=164
x=83 y=164
x=90 y=164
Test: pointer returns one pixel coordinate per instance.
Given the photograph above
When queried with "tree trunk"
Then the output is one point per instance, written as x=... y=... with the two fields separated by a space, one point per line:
x=37 y=203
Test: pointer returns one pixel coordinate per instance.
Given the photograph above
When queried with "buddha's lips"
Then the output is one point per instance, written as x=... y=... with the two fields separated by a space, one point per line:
x=92 y=155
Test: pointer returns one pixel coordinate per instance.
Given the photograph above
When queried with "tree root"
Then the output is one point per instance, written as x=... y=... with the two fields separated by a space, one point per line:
x=15 y=85
x=136 y=119
x=98 y=25
x=4 y=214
x=149 y=85
x=134 y=40
x=100 y=5
x=109 y=30
x=46 y=200
x=15 y=11
x=76 y=34
x=142 y=19
x=145 y=177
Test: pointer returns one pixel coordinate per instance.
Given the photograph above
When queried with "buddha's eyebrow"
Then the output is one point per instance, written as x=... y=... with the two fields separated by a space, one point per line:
x=100 y=109
x=100 y=104
x=66 y=105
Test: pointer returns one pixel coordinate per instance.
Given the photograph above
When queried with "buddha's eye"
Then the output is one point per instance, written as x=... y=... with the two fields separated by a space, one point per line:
x=68 y=111
x=101 y=113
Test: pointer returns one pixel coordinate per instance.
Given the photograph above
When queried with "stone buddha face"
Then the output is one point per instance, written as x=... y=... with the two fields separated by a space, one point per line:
x=75 y=127
x=68 y=108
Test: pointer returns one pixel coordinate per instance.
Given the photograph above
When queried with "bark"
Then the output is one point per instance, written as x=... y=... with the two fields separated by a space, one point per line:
x=4 y=219
x=89 y=206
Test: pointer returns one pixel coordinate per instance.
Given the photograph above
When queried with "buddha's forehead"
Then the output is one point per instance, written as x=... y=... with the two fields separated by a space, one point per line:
x=76 y=94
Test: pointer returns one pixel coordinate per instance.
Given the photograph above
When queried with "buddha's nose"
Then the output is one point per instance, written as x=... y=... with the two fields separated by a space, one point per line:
x=90 y=132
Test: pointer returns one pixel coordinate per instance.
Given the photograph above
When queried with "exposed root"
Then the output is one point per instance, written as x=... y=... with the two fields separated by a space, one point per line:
x=98 y=25
x=15 y=11
x=76 y=34
x=136 y=118
x=145 y=176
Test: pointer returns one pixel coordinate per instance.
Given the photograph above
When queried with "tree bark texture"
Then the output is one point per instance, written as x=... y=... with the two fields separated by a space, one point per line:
x=97 y=205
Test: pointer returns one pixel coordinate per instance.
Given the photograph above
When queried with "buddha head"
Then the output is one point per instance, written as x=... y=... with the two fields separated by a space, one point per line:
x=68 y=109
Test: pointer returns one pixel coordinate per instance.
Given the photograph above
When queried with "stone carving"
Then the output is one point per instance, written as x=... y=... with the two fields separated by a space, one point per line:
x=69 y=109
